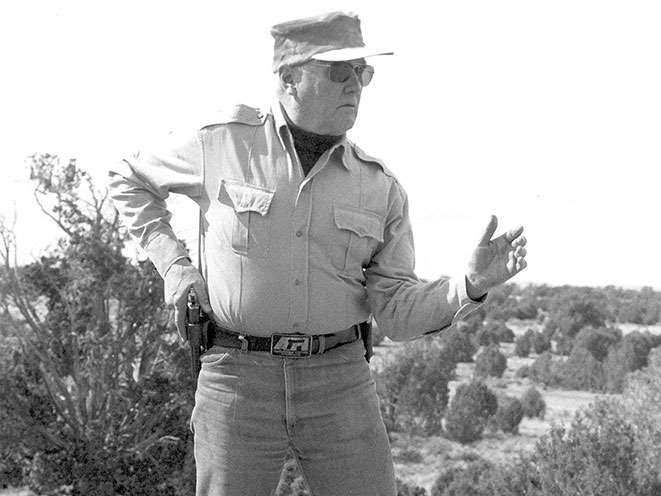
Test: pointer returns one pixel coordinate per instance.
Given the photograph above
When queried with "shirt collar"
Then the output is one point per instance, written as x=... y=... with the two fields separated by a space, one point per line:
x=284 y=135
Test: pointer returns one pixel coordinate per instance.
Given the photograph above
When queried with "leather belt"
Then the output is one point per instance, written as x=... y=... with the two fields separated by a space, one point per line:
x=282 y=344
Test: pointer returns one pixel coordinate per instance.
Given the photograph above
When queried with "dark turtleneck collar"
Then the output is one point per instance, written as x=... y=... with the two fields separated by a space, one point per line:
x=309 y=146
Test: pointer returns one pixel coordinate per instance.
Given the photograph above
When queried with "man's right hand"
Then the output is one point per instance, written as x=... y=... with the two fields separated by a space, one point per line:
x=179 y=278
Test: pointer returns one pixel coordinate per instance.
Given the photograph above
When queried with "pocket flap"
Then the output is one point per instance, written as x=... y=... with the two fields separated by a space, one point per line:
x=247 y=197
x=361 y=222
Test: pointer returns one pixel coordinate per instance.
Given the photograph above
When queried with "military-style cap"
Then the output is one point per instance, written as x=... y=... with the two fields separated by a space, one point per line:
x=330 y=37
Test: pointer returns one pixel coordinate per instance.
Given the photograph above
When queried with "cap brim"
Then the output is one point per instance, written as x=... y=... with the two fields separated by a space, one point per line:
x=349 y=54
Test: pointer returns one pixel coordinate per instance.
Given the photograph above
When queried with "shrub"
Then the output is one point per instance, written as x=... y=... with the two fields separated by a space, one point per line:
x=629 y=355
x=471 y=406
x=484 y=337
x=563 y=344
x=522 y=345
x=533 y=403
x=413 y=386
x=490 y=362
x=509 y=414
x=540 y=343
x=462 y=480
x=641 y=400
x=544 y=370
x=597 y=341
x=494 y=332
x=410 y=455
x=595 y=456
x=582 y=371
x=409 y=489
x=523 y=371
x=504 y=333
x=459 y=344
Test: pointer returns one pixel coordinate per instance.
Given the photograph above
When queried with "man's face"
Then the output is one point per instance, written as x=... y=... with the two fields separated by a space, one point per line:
x=325 y=106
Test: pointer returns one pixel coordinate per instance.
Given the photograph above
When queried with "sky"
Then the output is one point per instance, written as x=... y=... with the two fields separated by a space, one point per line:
x=546 y=114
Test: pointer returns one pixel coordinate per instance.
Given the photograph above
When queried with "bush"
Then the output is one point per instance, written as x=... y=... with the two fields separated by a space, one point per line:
x=597 y=341
x=490 y=362
x=596 y=455
x=540 y=343
x=523 y=371
x=462 y=480
x=459 y=344
x=628 y=356
x=413 y=386
x=471 y=406
x=493 y=332
x=97 y=396
x=563 y=344
x=484 y=337
x=641 y=400
x=410 y=455
x=509 y=414
x=582 y=371
x=522 y=345
x=545 y=370
x=533 y=403
x=409 y=489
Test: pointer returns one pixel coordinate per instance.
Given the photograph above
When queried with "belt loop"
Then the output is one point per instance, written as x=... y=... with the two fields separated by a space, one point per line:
x=244 y=343
x=322 y=344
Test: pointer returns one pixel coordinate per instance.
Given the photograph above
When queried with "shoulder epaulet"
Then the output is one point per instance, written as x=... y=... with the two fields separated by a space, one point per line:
x=239 y=114
x=364 y=157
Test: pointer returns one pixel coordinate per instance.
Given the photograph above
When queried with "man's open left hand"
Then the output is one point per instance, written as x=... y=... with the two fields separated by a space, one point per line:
x=494 y=261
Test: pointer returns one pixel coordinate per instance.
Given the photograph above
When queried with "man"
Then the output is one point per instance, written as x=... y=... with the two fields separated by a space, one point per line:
x=304 y=237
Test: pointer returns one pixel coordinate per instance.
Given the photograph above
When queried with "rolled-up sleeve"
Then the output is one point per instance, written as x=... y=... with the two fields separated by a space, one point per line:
x=403 y=305
x=139 y=186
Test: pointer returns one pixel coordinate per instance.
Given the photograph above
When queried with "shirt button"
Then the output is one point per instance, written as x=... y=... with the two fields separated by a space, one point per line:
x=299 y=234
x=297 y=282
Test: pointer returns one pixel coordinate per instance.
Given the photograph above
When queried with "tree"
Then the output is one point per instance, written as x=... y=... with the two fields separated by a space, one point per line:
x=540 y=343
x=413 y=386
x=490 y=362
x=93 y=353
x=597 y=341
x=522 y=344
x=533 y=403
x=509 y=414
x=582 y=371
x=473 y=403
x=459 y=343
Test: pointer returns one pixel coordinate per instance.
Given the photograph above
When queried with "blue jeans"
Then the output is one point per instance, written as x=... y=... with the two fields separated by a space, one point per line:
x=252 y=408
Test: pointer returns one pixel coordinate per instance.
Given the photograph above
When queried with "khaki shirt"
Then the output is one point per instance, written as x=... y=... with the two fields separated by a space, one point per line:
x=284 y=252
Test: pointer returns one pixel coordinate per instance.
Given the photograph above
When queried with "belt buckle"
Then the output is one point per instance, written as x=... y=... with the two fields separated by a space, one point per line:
x=291 y=345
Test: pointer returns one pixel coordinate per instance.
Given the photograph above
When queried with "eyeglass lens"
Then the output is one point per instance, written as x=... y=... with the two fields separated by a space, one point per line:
x=340 y=72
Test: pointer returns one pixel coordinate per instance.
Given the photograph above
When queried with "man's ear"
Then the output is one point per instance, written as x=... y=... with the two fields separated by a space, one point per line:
x=289 y=77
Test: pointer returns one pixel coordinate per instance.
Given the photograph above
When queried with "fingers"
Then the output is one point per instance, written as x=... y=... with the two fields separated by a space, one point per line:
x=513 y=235
x=180 y=320
x=488 y=231
x=202 y=296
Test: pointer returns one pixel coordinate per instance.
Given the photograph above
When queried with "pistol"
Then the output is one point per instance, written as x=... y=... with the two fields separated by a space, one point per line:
x=196 y=331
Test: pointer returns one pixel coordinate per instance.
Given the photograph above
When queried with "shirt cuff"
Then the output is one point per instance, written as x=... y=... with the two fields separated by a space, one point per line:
x=466 y=303
x=163 y=251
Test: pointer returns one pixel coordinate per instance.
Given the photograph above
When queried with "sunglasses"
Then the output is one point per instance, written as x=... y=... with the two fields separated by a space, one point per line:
x=340 y=72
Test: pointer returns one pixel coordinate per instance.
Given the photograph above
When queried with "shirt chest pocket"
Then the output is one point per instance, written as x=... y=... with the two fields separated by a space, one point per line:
x=360 y=233
x=250 y=223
